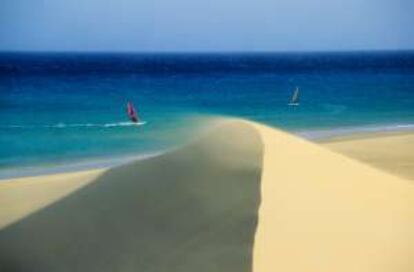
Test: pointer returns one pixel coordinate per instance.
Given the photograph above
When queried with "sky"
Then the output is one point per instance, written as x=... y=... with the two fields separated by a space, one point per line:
x=206 y=25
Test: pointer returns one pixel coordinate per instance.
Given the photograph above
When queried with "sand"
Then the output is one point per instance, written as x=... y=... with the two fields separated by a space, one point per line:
x=243 y=197
x=23 y=196
x=390 y=152
x=322 y=211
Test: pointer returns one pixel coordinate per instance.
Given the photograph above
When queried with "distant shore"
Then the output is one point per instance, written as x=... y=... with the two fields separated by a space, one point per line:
x=388 y=151
x=330 y=134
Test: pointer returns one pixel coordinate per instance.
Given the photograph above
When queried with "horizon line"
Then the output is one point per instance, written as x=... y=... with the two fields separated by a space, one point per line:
x=203 y=52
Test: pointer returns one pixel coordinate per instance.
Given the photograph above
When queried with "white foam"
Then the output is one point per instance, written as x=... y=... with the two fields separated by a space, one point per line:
x=64 y=125
x=124 y=124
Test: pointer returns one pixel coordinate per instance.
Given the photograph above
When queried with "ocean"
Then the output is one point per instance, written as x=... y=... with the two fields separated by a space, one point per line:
x=68 y=110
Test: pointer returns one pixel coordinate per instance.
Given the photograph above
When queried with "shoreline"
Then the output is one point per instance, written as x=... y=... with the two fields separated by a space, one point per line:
x=388 y=152
x=237 y=198
x=73 y=167
x=353 y=131
x=318 y=136
x=361 y=136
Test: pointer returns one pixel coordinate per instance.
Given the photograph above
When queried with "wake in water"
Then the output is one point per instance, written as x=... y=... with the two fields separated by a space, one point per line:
x=63 y=125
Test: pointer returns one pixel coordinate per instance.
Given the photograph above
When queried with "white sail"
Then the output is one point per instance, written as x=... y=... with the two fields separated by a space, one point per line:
x=295 y=98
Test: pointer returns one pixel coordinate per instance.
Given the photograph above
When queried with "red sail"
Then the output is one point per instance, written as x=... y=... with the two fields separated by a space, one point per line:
x=132 y=114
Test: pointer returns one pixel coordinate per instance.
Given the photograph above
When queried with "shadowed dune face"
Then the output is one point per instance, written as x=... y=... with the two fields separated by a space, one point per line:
x=195 y=209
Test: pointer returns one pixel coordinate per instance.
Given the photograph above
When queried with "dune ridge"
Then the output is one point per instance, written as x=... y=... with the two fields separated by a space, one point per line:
x=242 y=197
x=192 y=209
x=322 y=211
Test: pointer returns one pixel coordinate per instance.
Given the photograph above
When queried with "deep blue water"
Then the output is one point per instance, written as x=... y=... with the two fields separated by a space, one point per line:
x=56 y=108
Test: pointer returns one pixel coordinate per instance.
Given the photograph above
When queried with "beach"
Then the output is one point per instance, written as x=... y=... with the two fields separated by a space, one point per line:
x=206 y=136
x=392 y=152
x=241 y=196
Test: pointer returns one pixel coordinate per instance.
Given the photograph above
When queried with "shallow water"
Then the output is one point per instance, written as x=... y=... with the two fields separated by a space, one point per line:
x=60 y=108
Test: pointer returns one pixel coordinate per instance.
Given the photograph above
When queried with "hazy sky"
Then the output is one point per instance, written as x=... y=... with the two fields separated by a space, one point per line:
x=206 y=25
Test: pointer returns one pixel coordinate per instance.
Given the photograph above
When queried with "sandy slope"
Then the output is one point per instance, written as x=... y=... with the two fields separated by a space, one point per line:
x=322 y=211
x=393 y=153
x=243 y=197
x=23 y=196
x=194 y=209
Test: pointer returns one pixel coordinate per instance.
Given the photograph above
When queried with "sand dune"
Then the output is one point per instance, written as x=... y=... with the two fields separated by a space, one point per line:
x=391 y=152
x=194 y=209
x=243 y=197
x=322 y=211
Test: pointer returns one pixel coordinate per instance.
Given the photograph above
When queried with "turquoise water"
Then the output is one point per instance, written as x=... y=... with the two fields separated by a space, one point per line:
x=60 y=108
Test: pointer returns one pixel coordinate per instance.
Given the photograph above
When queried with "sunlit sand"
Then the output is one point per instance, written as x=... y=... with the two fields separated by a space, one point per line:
x=241 y=197
x=390 y=152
